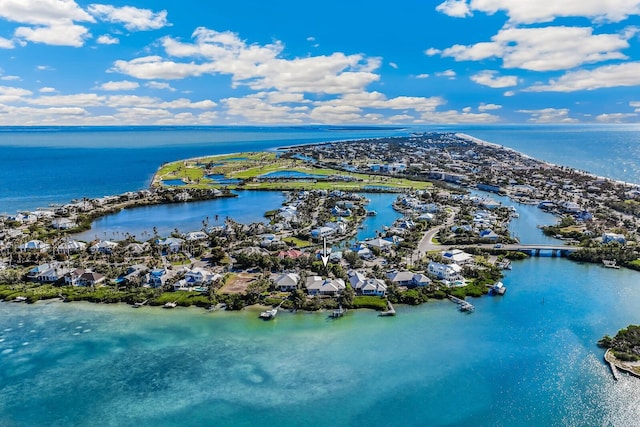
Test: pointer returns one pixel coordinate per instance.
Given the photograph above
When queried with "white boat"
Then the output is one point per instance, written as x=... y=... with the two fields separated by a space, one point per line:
x=372 y=213
x=610 y=263
x=172 y=304
x=20 y=299
x=269 y=314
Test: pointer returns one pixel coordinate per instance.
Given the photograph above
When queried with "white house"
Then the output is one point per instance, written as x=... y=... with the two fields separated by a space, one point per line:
x=613 y=237
x=448 y=272
x=457 y=256
x=316 y=285
x=171 y=244
x=321 y=232
x=71 y=246
x=63 y=223
x=286 y=282
x=34 y=246
x=103 y=247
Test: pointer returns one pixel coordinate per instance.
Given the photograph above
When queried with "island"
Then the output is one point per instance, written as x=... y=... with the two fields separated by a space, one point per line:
x=448 y=237
x=623 y=350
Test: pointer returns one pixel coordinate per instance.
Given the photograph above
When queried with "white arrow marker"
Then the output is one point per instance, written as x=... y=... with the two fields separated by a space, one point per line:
x=325 y=257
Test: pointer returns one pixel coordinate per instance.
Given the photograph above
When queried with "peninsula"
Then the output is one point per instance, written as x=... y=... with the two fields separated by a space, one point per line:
x=451 y=238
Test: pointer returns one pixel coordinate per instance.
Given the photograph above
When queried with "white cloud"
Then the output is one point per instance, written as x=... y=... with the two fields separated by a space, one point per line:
x=544 y=49
x=455 y=8
x=43 y=12
x=615 y=117
x=6 y=43
x=393 y=65
x=107 y=39
x=491 y=79
x=47 y=90
x=121 y=85
x=76 y=100
x=549 y=115
x=10 y=94
x=160 y=86
x=134 y=19
x=56 y=35
x=532 y=11
x=489 y=107
x=509 y=93
x=44 y=68
x=255 y=109
x=447 y=73
x=627 y=74
x=10 y=78
x=422 y=76
x=259 y=67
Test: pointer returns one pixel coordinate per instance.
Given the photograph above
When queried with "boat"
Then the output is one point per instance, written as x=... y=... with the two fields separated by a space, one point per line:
x=20 y=299
x=372 y=213
x=269 y=314
x=498 y=289
x=610 y=263
x=171 y=304
x=466 y=306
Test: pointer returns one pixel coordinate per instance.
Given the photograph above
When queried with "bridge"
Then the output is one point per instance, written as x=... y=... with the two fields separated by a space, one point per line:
x=536 y=250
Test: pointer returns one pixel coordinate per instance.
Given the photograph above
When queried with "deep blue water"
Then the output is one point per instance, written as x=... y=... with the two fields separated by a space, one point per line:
x=40 y=166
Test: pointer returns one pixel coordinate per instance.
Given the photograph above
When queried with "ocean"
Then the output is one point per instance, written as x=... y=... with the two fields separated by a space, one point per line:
x=528 y=358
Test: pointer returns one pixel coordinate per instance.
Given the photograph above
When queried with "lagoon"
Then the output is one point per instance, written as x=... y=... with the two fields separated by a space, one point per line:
x=528 y=358
x=248 y=207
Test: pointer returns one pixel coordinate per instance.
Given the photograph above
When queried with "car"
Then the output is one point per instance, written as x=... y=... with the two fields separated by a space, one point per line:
x=497 y=245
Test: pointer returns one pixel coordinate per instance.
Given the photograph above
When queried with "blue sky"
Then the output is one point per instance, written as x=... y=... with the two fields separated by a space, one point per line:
x=202 y=62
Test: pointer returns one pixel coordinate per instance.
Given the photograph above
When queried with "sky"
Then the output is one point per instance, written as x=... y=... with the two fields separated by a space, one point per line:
x=286 y=62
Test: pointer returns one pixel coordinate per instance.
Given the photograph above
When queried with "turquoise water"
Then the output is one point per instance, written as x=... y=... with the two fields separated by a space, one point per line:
x=386 y=215
x=248 y=207
x=528 y=358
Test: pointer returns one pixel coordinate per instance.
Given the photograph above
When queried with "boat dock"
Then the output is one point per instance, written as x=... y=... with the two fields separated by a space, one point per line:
x=390 y=310
x=462 y=304
x=612 y=366
x=338 y=312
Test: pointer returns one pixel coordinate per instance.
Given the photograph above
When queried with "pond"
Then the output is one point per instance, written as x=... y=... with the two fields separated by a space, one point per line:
x=248 y=207
x=291 y=174
x=172 y=182
x=220 y=179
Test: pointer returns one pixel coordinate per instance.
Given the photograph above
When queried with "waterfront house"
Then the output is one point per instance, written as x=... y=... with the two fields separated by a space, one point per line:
x=46 y=273
x=316 y=285
x=71 y=277
x=448 y=272
x=420 y=279
x=34 y=246
x=366 y=286
x=132 y=273
x=401 y=278
x=489 y=234
x=90 y=278
x=379 y=243
x=63 y=223
x=156 y=278
x=196 y=279
x=286 y=282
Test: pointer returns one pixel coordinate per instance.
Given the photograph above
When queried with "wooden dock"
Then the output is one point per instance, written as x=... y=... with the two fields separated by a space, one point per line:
x=462 y=304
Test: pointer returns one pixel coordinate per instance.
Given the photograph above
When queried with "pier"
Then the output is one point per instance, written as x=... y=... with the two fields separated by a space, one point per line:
x=462 y=304
x=390 y=310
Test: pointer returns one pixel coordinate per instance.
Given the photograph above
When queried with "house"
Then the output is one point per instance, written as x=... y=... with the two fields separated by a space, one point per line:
x=420 y=279
x=90 y=278
x=195 y=278
x=401 y=278
x=286 y=282
x=316 y=285
x=137 y=248
x=132 y=272
x=366 y=286
x=378 y=243
x=63 y=223
x=103 y=247
x=70 y=246
x=49 y=272
x=71 y=277
x=489 y=234
x=457 y=256
x=171 y=244
x=613 y=237
x=193 y=236
x=292 y=253
x=448 y=272
x=34 y=246
x=322 y=232
x=156 y=278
